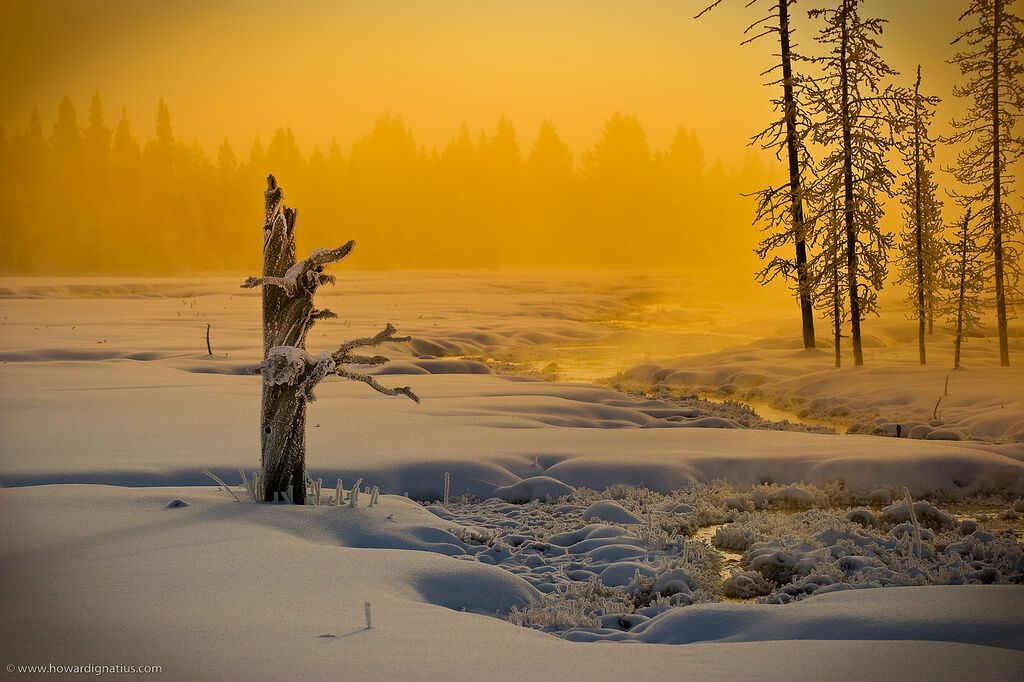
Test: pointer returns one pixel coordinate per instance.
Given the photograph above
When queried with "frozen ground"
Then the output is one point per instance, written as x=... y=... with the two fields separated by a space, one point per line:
x=226 y=590
x=108 y=382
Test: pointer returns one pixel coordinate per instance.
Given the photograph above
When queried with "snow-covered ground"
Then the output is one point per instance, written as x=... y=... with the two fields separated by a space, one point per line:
x=109 y=382
x=226 y=590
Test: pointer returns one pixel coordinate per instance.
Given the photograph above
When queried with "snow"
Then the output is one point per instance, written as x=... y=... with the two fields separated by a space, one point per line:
x=941 y=614
x=117 y=548
x=110 y=573
x=532 y=488
x=608 y=510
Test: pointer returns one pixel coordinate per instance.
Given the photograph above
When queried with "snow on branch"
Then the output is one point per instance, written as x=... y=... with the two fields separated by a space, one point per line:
x=372 y=383
x=383 y=336
x=306 y=275
x=291 y=366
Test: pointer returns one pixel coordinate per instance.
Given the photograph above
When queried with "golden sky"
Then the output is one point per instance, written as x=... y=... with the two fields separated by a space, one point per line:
x=329 y=68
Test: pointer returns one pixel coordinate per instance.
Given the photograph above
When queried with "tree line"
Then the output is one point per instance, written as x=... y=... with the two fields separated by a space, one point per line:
x=854 y=134
x=86 y=196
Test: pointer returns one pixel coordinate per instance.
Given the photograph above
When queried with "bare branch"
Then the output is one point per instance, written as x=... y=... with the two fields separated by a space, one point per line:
x=708 y=8
x=372 y=383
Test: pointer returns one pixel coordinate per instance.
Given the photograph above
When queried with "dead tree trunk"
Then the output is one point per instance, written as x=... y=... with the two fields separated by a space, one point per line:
x=918 y=223
x=997 y=199
x=961 y=292
x=837 y=320
x=289 y=373
x=795 y=184
x=848 y=207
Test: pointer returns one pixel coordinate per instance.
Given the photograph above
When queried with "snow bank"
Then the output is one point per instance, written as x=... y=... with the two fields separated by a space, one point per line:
x=219 y=589
x=967 y=614
x=489 y=432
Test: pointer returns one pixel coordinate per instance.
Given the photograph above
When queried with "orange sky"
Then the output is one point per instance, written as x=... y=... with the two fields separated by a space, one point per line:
x=329 y=68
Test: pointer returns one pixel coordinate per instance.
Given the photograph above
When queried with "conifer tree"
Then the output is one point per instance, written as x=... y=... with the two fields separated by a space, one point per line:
x=828 y=268
x=920 y=257
x=67 y=136
x=97 y=135
x=964 y=301
x=993 y=70
x=782 y=209
x=856 y=116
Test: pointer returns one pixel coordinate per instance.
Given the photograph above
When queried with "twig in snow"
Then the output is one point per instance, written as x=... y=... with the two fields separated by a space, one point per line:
x=913 y=520
x=222 y=483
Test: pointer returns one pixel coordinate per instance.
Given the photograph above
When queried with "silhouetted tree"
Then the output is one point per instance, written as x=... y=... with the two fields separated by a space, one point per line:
x=179 y=208
x=97 y=135
x=780 y=208
x=828 y=271
x=964 y=302
x=67 y=136
x=994 y=73
x=290 y=373
x=855 y=116
x=618 y=173
x=125 y=151
x=921 y=240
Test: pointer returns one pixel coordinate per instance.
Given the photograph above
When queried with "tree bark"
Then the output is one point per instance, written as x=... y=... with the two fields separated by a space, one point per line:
x=285 y=320
x=918 y=231
x=958 y=339
x=851 y=230
x=837 y=320
x=795 y=181
x=289 y=373
x=997 y=208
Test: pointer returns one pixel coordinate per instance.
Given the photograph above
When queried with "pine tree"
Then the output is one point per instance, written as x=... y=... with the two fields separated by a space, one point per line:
x=855 y=118
x=125 y=150
x=67 y=136
x=227 y=161
x=828 y=270
x=964 y=302
x=921 y=243
x=994 y=85
x=781 y=209
x=97 y=135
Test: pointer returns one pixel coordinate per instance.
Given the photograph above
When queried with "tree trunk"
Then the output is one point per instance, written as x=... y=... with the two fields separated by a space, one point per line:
x=997 y=208
x=795 y=182
x=958 y=339
x=285 y=320
x=837 y=320
x=851 y=230
x=289 y=373
x=918 y=231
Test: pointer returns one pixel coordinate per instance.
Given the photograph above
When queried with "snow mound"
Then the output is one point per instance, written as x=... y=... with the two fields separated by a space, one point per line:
x=925 y=512
x=608 y=510
x=533 y=488
x=463 y=586
x=971 y=614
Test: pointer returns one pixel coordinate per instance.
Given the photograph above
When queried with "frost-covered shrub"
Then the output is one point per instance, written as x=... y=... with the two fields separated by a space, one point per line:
x=796 y=496
x=926 y=513
x=746 y=585
x=863 y=517
x=576 y=605
x=599 y=576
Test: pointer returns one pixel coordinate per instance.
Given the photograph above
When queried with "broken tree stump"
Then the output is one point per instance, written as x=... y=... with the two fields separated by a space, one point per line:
x=290 y=373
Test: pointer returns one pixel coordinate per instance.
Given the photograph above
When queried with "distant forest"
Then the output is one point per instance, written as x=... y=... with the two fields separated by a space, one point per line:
x=85 y=196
